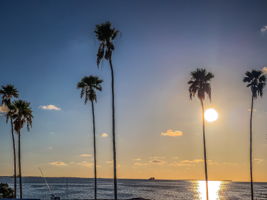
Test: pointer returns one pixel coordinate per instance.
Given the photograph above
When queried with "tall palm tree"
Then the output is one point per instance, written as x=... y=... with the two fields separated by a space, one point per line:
x=106 y=34
x=89 y=85
x=256 y=81
x=8 y=92
x=23 y=115
x=199 y=84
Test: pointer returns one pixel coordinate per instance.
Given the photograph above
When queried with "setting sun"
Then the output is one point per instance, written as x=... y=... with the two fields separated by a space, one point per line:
x=211 y=115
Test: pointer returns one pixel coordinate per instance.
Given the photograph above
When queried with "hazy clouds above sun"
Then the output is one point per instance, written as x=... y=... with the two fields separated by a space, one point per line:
x=85 y=155
x=104 y=135
x=172 y=133
x=58 y=163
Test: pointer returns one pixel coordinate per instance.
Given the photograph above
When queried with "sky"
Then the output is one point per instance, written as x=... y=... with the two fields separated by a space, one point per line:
x=48 y=46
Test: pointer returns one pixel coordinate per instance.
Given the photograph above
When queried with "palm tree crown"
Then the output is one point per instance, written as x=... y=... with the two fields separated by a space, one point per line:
x=105 y=34
x=7 y=92
x=88 y=86
x=200 y=83
x=22 y=115
x=256 y=81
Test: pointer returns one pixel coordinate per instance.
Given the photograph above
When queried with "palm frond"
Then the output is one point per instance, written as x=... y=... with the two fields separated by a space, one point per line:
x=199 y=83
x=256 y=81
x=88 y=86
x=22 y=115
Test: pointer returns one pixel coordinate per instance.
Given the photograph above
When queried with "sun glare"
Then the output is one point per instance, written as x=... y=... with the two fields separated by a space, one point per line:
x=214 y=188
x=211 y=115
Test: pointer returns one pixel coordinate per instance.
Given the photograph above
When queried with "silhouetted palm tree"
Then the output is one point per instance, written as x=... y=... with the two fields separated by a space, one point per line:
x=105 y=33
x=256 y=81
x=8 y=92
x=23 y=115
x=89 y=85
x=199 y=84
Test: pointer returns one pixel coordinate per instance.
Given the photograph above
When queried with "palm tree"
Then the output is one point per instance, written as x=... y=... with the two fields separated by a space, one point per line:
x=199 y=84
x=23 y=115
x=8 y=92
x=256 y=81
x=88 y=86
x=106 y=34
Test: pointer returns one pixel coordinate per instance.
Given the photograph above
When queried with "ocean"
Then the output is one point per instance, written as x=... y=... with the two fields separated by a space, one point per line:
x=82 y=188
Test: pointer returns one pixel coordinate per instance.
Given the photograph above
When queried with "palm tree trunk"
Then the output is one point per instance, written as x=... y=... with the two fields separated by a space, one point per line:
x=250 y=154
x=113 y=130
x=20 y=180
x=205 y=152
x=14 y=159
x=95 y=172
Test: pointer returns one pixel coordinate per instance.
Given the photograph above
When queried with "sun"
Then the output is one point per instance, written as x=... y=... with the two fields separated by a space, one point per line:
x=211 y=115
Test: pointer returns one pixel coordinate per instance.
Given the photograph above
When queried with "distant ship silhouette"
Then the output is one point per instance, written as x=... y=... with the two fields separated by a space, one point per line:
x=151 y=179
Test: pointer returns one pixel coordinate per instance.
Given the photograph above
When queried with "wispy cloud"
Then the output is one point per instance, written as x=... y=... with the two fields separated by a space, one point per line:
x=158 y=162
x=58 y=163
x=85 y=155
x=196 y=162
x=139 y=164
x=50 y=107
x=264 y=29
x=85 y=164
x=50 y=148
x=3 y=109
x=254 y=110
x=258 y=160
x=172 y=133
x=264 y=70
x=109 y=162
x=104 y=135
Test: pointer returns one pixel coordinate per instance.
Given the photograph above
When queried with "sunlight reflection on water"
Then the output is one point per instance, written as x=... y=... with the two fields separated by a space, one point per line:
x=214 y=189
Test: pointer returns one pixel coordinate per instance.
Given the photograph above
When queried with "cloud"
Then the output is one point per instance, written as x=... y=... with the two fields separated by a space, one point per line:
x=258 y=160
x=195 y=162
x=3 y=109
x=58 y=163
x=158 y=162
x=172 y=133
x=85 y=164
x=104 y=135
x=109 y=162
x=50 y=148
x=264 y=70
x=264 y=29
x=85 y=155
x=137 y=159
x=139 y=164
x=50 y=107
x=254 y=110
x=188 y=163
x=192 y=161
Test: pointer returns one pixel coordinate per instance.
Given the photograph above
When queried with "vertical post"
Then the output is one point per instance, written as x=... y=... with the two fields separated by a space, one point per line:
x=14 y=158
x=94 y=132
x=205 y=152
x=20 y=176
x=113 y=130
x=251 y=149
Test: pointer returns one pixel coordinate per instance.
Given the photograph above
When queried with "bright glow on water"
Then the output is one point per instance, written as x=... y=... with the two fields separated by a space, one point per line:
x=81 y=188
x=214 y=188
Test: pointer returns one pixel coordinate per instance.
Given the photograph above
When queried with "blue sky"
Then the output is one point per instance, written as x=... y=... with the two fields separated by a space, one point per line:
x=48 y=46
